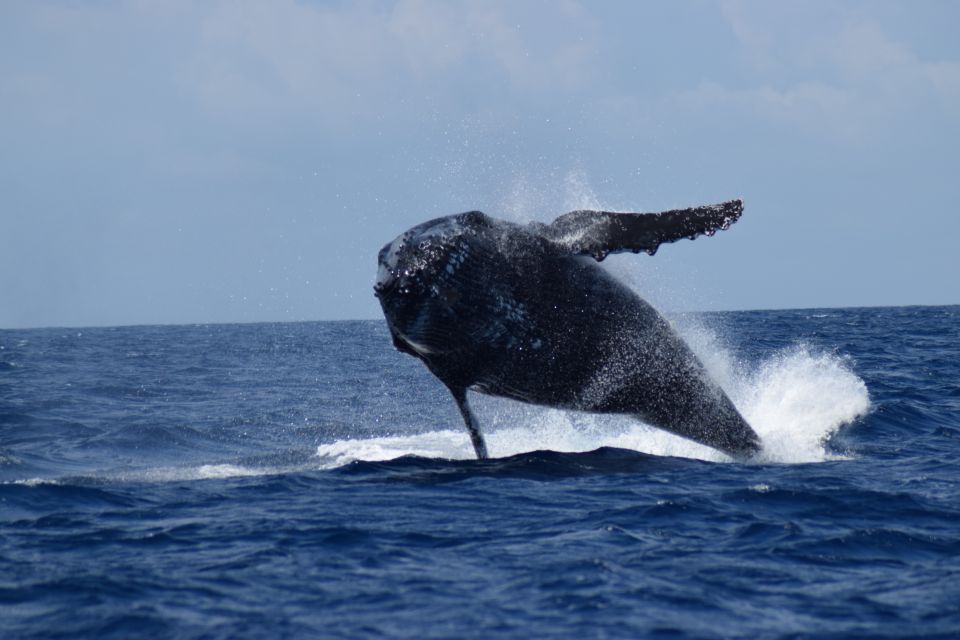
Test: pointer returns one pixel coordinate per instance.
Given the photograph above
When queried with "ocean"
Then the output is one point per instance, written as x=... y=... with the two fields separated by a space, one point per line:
x=298 y=480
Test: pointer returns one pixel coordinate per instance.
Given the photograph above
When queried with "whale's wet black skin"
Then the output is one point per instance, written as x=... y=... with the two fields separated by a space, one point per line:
x=525 y=312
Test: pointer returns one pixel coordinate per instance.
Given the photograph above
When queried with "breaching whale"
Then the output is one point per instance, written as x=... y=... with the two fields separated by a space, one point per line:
x=525 y=312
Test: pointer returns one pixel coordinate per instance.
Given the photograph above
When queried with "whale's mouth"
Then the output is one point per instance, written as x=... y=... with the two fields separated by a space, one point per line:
x=403 y=282
x=406 y=264
x=400 y=277
x=388 y=260
x=386 y=286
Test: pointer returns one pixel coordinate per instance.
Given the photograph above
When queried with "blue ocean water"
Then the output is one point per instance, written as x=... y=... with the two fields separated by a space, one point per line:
x=306 y=480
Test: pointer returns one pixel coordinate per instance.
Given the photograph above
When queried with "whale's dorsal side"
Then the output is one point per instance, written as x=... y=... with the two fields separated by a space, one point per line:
x=600 y=233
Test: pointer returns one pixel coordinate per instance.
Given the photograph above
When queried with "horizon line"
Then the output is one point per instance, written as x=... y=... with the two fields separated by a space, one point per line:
x=668 y=313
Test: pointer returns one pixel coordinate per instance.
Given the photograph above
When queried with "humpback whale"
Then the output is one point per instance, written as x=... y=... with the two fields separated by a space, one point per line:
x=526 y=312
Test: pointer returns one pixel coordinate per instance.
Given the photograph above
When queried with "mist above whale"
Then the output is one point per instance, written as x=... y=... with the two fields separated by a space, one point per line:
x=525 y=312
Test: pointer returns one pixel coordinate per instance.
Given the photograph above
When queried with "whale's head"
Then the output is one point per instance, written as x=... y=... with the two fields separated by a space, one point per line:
x=420 y=281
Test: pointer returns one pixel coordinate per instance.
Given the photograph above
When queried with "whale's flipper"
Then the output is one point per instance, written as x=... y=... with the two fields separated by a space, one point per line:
x=599 y=233
x=470 y=420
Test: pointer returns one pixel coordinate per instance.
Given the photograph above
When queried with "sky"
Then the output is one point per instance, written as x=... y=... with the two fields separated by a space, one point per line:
x=193 y=162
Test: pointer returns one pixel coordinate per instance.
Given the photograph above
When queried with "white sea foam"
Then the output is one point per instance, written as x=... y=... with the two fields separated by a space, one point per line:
x=794 y=400
x=797 y=399
x=33 y=482
x=163 y=474
x=452 y=444
x=199 y=472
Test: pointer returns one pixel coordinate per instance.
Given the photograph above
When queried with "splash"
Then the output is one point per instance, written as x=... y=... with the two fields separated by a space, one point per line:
x=795 y=400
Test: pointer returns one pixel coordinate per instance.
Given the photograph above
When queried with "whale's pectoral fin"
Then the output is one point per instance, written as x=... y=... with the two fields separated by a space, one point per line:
x=599 y=233
x=460 y=396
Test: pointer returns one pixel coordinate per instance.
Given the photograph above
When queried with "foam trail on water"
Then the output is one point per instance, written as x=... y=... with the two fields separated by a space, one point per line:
x=550 y=429
x=795 y=400
x=185 y=473
x=198 y=472
x=450 y=444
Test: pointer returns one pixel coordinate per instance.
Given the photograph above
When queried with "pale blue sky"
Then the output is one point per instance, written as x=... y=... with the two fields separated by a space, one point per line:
x=175 y=162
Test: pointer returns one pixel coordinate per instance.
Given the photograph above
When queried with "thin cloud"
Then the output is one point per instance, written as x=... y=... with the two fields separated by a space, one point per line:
x=827 y=70
x=353 y=60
